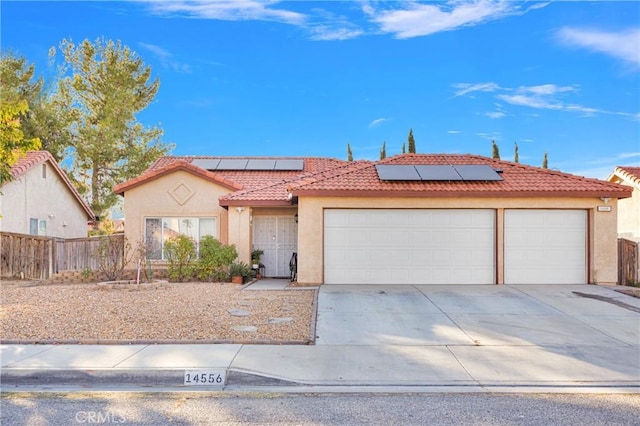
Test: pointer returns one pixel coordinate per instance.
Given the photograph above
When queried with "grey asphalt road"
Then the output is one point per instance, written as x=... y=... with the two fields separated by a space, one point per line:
x=35 y=409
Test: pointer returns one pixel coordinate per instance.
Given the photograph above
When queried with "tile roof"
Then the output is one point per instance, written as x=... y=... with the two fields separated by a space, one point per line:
x=629 y=173
x=170 y=167
x=244 y=181
x=330 y=177
x=519 y=180
x=35 y=158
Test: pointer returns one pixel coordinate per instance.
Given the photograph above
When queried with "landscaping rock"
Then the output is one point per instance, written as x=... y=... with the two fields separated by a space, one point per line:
x=239 y=313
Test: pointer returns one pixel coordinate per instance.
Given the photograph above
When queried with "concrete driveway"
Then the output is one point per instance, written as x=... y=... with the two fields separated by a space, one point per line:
x=476 y=315
x=491 y=334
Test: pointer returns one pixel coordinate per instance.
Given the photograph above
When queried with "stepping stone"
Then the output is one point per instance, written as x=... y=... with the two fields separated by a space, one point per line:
x=279 y=320
x=239 y=313
x=247 y=328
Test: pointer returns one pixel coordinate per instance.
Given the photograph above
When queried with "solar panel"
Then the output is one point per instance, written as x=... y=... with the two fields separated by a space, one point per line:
x=437 y=172
x=477 y=172
x=397 y=172
x=206 y=163
x=261 y=164
x=232 y=164
x=284 y=165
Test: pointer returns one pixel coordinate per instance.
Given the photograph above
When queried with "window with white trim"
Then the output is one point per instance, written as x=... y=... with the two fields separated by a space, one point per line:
x=158 y=230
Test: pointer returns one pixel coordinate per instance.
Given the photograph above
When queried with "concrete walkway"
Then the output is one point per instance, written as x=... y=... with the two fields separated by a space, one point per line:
x=416 y=338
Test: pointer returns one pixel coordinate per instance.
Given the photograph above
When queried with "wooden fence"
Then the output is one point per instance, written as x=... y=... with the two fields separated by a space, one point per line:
x=79 y=254
x=627 y=262
x=29 y=256
x=26 y=256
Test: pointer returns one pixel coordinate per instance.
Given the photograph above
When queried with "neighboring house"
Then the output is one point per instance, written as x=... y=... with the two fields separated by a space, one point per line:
x=41 y=200
x=408 y=219
x=629 y=208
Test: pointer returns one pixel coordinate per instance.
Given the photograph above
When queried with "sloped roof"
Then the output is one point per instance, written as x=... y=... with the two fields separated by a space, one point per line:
x=627 y=173
x=170 y=167
x=519 y=180
x=277 y=192
x=245 y=181
x=35 y=158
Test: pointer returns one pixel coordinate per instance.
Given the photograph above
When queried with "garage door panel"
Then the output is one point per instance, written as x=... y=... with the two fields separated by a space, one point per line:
x=545 y=246
x=409 y=246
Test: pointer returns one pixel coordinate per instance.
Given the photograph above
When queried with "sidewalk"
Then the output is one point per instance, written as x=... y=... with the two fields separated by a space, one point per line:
x=477 y=368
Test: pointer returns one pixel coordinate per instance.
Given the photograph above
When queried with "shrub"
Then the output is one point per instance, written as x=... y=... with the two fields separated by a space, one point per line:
x=111 y=254
x=180 y=252
x=214 y=259
x=240 y=269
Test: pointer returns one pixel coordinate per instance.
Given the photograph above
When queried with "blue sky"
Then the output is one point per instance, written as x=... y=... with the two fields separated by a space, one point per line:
x=306 y=78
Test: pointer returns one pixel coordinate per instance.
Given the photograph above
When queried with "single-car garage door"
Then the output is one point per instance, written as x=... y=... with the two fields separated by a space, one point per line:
x=409 y=246
x=545 y=246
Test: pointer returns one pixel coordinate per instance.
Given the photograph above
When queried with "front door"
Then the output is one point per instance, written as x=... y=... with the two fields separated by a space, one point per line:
x=277 y=237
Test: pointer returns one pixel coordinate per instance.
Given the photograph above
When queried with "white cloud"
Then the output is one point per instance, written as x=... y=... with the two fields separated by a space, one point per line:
x=466 y=88
x=623 y=45
x=419 y=19
x=495 y=114
x=546 y=89
x=322 y=32
x=229 y=10
x=454 y=132
x=166 y=58
x=544 y=96
x=377 y=122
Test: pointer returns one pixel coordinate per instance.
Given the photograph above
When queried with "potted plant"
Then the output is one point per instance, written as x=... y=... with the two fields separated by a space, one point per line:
x=238 y=271
x=256 y=255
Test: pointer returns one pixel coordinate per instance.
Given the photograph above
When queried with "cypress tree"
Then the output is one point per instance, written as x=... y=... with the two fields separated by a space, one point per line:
x=516 y=155
x=411 y=143
x=349 y=153
x=383 y=150
x=495 y=151
x=545 y=161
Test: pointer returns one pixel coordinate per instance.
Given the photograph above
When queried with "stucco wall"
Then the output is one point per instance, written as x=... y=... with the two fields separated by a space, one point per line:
x=629 y=216
x=46 y=199
x=602 y=247
x=179 y=194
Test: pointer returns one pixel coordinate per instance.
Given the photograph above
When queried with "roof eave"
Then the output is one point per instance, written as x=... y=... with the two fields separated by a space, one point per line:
x=255 y=203
x=457 y=194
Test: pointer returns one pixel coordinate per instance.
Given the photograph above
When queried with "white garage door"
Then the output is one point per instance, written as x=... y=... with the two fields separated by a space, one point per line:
x=412 y=246
x=545 y=246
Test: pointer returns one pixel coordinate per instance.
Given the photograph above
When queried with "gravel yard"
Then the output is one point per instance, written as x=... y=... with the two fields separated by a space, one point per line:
x=178 y=312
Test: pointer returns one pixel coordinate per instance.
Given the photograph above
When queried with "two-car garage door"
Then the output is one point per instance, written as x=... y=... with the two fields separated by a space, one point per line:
x=409 y=246
x=452 y=246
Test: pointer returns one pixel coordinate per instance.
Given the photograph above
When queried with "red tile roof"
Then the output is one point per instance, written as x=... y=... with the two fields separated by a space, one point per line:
x=244 y=181
x=628 y=172
x=330 y=177
x=170 y=167
x=519 y=180
x=35 y=158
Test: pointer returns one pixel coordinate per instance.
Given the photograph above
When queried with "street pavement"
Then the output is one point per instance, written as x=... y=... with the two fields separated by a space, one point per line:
x=431 y=338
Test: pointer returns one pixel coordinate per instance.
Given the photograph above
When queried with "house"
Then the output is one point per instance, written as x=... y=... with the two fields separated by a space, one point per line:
x=408 y=219
x=629 y=208
x=41 y=200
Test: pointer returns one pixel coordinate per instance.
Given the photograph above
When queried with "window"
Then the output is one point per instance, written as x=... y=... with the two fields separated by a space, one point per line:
x=44 y=171
x=37 y=227
x=158 y=230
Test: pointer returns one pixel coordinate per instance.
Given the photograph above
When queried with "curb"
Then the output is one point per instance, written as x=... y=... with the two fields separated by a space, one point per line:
x=142 y=378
